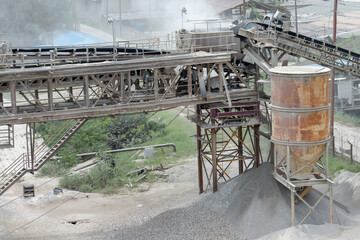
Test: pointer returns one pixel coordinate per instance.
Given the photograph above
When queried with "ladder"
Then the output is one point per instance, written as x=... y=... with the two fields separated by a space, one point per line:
x=42 y=154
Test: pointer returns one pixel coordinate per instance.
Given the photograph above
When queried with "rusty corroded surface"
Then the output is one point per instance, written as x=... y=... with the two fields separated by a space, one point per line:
x=299 y=92
x=300 y=127
x=300 y=114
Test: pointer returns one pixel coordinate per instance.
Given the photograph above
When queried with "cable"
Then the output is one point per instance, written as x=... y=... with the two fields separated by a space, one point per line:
x=33 y=220
x=22 y=195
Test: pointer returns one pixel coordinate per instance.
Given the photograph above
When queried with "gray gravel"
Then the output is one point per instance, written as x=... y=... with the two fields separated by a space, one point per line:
x=256 y=204
x=192 y=222
x=249 y=206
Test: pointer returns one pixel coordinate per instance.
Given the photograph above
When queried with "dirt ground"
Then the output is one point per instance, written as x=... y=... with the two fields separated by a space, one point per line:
x=93 y=213
x=74 y=215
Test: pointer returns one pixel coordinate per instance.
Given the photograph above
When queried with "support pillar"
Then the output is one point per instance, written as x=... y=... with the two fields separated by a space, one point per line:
x=274 y=57
x=71 y=94
x=50 y=94
x=13 y=97
x=86 y=91
x=189 y=78
x=156 y=84
x=200 y=170
x=214 y=159
x=129 y=83
x=122 y=88
x=292 y=199
x=240 y=150
x=257 y=145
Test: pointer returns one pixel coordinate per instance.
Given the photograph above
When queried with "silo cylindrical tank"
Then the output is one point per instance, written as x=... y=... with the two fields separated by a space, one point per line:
x=300 y=115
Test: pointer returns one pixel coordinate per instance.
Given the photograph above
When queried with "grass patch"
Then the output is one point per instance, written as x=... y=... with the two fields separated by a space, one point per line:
x=336 y=164
x=351 y=43
x=346 y=118
x=111 y=173
x=52 y=169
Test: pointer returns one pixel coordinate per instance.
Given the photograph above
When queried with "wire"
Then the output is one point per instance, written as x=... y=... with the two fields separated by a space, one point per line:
x=22 y=195
x=33 y=220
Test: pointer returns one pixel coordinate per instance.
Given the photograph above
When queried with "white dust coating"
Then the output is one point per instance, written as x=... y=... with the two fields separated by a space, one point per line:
x=348 y=190
x=303 y=232
x=9 y=155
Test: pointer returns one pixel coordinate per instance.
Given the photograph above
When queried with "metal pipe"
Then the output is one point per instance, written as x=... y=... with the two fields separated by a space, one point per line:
x=130 y=149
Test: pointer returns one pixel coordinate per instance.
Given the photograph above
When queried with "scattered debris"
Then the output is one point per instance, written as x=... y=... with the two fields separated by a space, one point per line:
x=58 y=190
x=28 y=190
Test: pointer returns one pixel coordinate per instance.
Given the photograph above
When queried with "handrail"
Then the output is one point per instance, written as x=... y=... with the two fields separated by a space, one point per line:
x=55 y=55
x=20 y=162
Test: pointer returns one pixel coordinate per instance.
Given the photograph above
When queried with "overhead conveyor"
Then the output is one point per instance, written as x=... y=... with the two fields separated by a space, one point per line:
x=265 y=36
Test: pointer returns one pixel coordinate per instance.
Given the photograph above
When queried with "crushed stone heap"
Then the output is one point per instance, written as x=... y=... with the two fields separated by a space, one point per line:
x=249 y=206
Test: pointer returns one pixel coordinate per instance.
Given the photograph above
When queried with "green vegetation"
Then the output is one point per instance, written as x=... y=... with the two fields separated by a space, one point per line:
x=351 y=43
x=111 y=173
x=346 y=118
x=337 y=164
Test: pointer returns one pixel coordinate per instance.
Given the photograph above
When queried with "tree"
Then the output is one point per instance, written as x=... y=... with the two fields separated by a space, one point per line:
x=127 y=131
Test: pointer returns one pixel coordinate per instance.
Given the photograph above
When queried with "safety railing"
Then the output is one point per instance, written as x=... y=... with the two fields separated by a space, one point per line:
x=170 y=44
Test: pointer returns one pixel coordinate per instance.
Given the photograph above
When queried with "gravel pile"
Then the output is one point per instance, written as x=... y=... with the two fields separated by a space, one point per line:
x=347 y=190
x=192 y=222
x=256 y=204
x=249 y=206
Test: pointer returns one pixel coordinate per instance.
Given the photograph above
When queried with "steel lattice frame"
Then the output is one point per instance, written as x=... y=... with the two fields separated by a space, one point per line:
x=230 y=136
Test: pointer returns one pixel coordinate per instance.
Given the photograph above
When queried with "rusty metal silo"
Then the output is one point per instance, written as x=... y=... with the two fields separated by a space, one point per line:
x=300 y=117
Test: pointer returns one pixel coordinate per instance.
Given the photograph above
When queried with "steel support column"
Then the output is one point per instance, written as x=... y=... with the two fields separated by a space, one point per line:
x=200 y=169
x=214 y=158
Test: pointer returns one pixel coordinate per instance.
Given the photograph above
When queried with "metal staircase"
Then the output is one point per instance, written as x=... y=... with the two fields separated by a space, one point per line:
x=25 y=163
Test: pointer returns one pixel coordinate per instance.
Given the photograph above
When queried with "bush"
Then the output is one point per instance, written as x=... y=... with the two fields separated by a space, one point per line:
x=131 y=130
x=97 y=178
x=52 y=169
x=107 y=176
